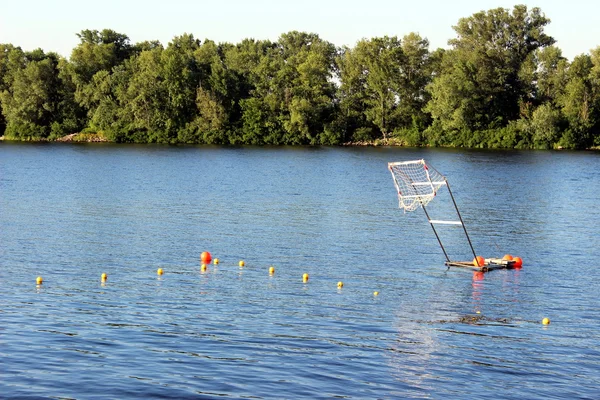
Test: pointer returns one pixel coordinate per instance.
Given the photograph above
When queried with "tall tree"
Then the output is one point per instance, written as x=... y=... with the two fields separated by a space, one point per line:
x=292 y=91
x=36 y=103
x=481 y=85
x=217 y=96
x=371 y=77
x=97 y=51
x=145 y=99
x=416 y=74
x=551 y=74
x=595 y=88
x=5 y=77
x=580 y=103
x=308 y=66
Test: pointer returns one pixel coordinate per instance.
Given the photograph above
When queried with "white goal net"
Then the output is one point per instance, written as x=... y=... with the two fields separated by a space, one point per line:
x=416 y=183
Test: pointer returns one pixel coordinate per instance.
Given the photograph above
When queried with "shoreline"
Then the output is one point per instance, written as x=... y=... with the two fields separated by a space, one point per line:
x=390 y=142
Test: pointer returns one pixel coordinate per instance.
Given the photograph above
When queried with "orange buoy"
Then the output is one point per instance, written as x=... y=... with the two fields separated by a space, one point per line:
x=479 y=261
x=518 y=262
x=205 y=257
x=507 y=257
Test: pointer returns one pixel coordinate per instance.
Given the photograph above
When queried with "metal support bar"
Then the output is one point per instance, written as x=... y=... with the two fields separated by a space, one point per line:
x=435 y=232
x=461 y=220
x=437 y=221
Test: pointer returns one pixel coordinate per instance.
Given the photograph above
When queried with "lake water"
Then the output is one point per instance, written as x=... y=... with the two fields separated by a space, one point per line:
x=71 y=212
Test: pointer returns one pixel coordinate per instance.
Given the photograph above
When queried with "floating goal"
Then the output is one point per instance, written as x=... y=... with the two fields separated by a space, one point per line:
x=417 y=184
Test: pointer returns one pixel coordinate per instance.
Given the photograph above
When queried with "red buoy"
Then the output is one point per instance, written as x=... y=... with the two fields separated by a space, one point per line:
x=518 y=262
x=479 y=261
x=205 y=257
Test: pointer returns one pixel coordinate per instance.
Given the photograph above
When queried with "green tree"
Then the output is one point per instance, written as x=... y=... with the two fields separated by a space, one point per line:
x=144 y=101
x=551 y=74
x=36 y=103
x=159 y=99
x=290 y=88
x=579 y=103
x=594 y=79
x=107 y=114
x=483 y=83
x=5 y=50
x=97 y=52
x=545 y=126
x=371 y=78
x=262 y=121
x=216 y=94
x=416 y=73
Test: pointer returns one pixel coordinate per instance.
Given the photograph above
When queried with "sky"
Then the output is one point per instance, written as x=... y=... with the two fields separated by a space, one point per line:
x=52 y=24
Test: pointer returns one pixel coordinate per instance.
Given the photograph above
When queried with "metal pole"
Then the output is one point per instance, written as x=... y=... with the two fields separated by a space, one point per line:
x=460 y=218
x=435 y=232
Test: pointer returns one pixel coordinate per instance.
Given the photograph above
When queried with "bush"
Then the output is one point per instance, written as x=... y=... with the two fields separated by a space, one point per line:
x=411 y=137
x=363 y=134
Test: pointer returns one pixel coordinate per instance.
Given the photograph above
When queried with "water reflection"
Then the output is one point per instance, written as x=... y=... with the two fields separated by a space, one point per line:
x=477 y=285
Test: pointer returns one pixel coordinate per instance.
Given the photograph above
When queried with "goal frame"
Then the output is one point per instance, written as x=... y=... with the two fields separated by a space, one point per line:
x=433 y=184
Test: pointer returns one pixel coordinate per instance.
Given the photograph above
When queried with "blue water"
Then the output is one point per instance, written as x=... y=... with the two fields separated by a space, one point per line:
x=69 y=213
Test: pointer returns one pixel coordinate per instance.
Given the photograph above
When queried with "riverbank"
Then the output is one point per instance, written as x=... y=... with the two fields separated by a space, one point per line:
x=100 y=138
x=73 y=137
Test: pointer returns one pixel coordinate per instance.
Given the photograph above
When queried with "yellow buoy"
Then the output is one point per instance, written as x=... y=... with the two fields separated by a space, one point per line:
x=477 y=312
x=340 y=284
x=242 y=263
x=271 y=270
x=216 y=261
x=375 y=293
x=159 y=271
x=546 y=321
x=203 y=268
x=305 y=278
x=39 y=280
x=103 y=276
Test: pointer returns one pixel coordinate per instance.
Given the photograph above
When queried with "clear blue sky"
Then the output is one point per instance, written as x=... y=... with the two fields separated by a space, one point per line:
x=52 y=24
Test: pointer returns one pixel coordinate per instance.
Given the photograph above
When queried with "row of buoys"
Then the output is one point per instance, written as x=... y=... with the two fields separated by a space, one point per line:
x=206 y=258
x=518 y=261
x=479 y=261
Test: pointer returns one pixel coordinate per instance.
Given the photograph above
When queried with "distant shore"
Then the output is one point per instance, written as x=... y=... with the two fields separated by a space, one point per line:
x=99 y=138
x=73 y=137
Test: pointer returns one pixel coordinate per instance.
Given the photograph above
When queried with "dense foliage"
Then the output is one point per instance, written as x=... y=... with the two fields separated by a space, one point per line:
x=501 y=83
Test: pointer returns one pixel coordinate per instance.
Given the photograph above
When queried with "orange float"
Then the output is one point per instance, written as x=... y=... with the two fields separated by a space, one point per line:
x=479 y=261
x=205 y=257
x=518 y=262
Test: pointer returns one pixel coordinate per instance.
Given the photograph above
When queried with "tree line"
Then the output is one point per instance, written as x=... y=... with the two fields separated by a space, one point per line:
x=501 y=84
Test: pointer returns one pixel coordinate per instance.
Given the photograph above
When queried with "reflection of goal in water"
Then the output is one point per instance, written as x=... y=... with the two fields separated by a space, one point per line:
x=417 y=184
